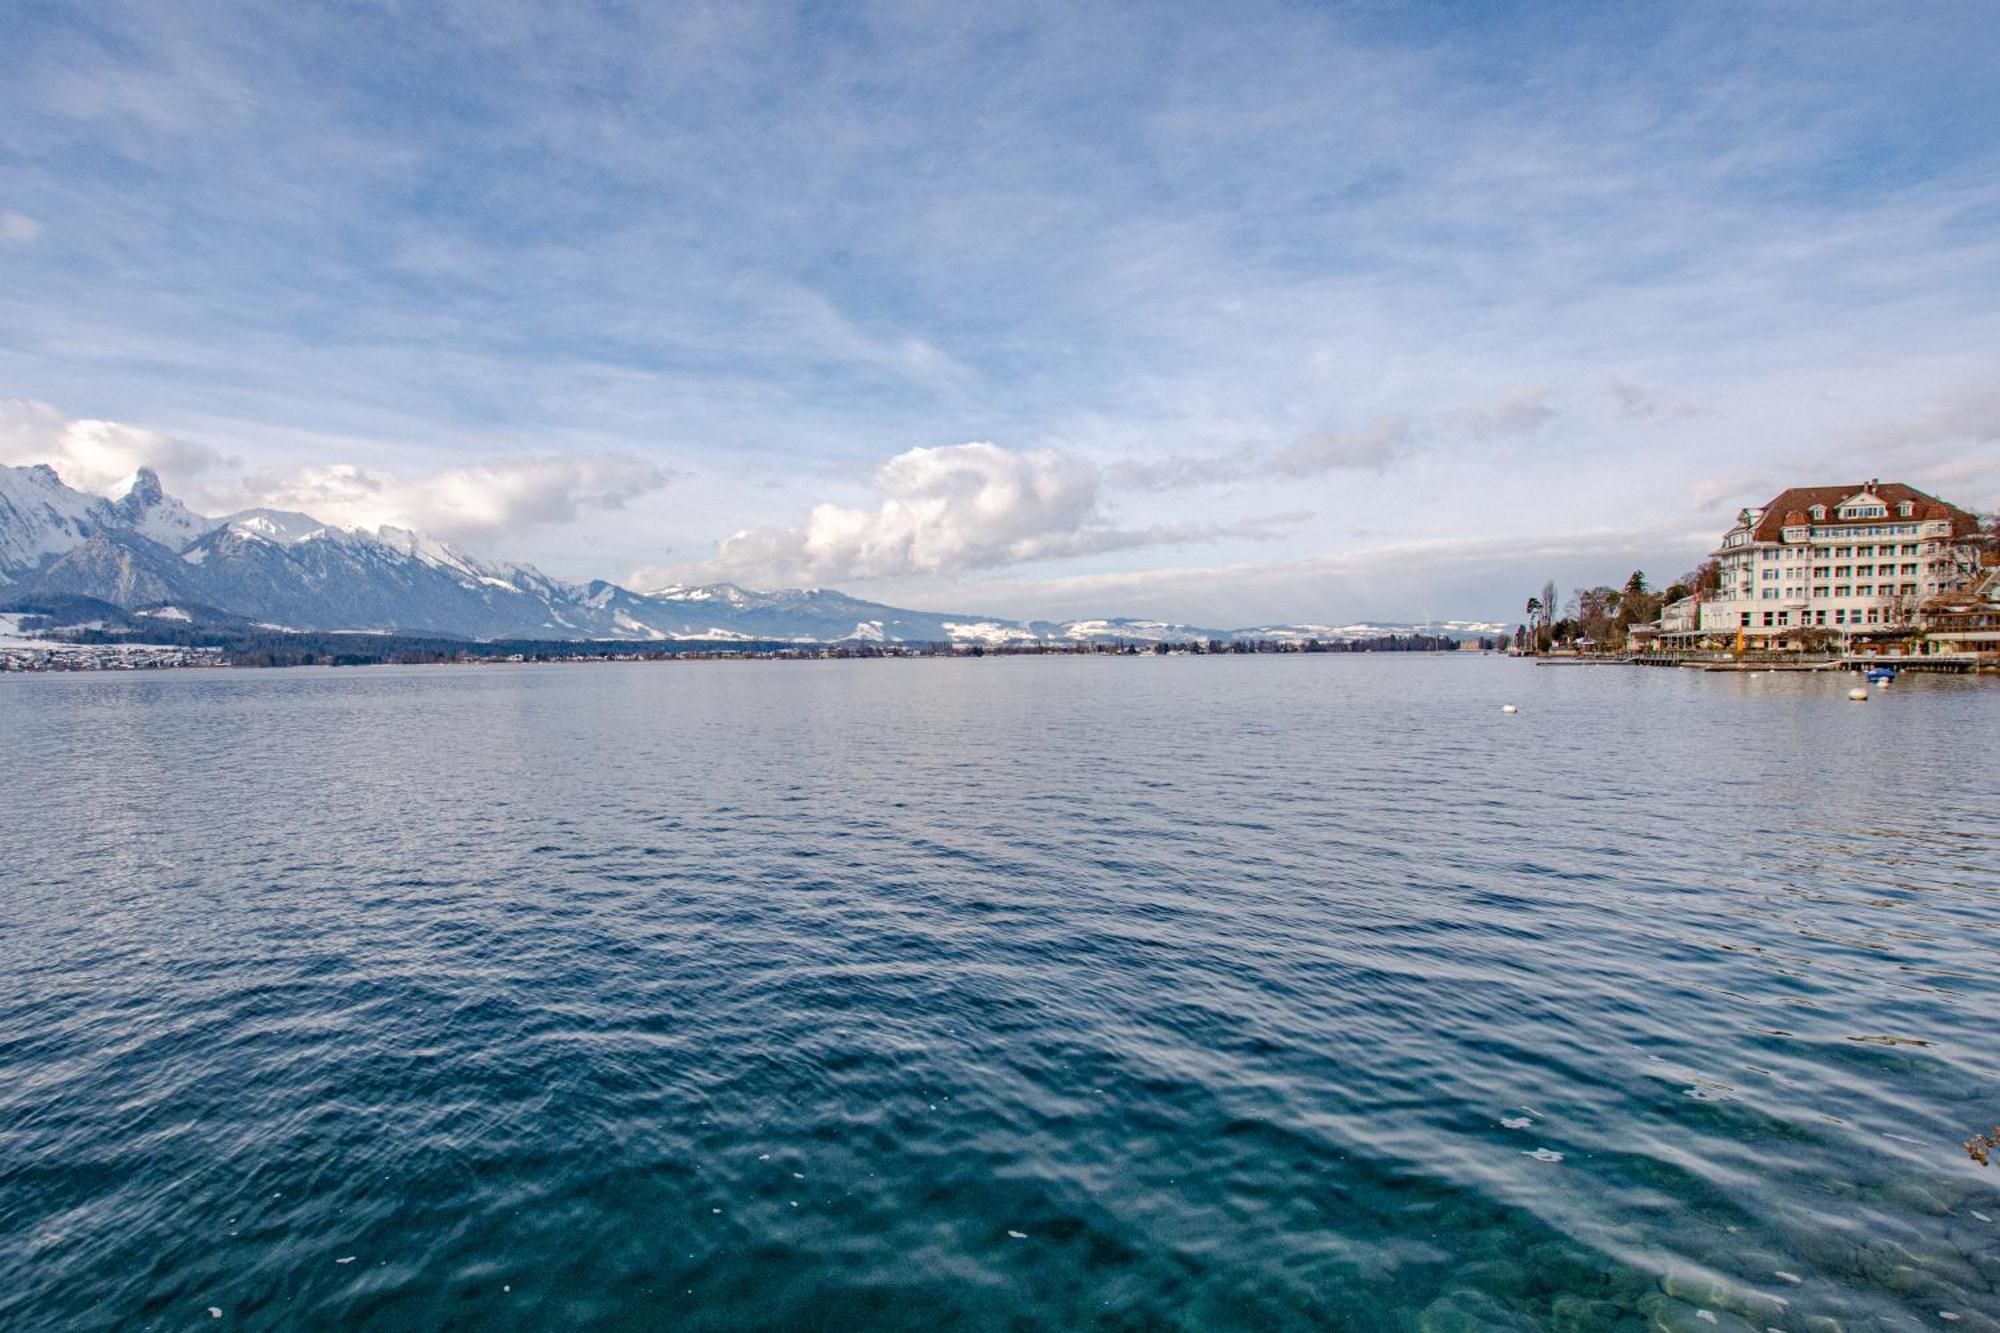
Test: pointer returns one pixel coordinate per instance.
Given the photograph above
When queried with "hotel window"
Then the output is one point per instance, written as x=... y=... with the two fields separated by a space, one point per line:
x=1784 y=617
x=1767 y=620
x=1820 y=591
x=1864 y=590
x=1746 y=620
x=1842 y=590
x=1873 y=616
x=1840 y=617
x=1819 y=617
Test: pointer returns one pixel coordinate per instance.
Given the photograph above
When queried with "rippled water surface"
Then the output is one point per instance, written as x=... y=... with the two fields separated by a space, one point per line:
x=1274 y=993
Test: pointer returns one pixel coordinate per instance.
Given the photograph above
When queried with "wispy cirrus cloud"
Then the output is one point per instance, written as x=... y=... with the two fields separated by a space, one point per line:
x=1373 y=446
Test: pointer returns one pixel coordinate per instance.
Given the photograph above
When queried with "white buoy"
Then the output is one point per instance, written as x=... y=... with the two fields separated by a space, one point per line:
x=1509 y=708
x=1859 y=696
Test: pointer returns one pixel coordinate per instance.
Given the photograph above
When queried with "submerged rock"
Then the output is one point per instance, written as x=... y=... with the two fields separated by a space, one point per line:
x=1467 y=1311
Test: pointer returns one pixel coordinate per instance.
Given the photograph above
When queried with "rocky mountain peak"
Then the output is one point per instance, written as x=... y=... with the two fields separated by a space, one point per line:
x=141 y=490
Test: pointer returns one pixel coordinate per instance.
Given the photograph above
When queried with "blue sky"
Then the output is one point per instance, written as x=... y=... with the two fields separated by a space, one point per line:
x=1252 y=312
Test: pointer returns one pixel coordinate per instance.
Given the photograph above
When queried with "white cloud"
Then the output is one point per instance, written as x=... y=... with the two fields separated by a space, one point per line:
x=93 y=455
x=489 y=499
x=947 y=509
x=18 y=227
x=494 y=498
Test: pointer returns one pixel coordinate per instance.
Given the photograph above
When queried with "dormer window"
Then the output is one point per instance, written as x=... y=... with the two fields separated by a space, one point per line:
x=1819 y=513
x=1905 y=509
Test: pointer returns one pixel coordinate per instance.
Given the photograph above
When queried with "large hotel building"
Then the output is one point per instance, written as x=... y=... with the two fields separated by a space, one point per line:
x=1858 y=560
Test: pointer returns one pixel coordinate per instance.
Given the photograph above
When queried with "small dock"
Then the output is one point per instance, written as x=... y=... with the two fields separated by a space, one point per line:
x=1955 y=664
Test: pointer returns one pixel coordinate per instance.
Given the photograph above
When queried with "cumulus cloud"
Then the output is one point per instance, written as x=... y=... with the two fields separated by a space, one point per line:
x=946 y=509
x=18 y=227
x=93 y=455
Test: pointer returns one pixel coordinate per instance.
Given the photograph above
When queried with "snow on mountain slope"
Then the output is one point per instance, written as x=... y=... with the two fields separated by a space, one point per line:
x=41 y=517
x=989 y=632
x=141 y=506
x=273 y=525
x=1144 y=631
x=490 y=573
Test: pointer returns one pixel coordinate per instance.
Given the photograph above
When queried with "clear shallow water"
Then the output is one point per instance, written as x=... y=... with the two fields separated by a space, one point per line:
x=784 y=995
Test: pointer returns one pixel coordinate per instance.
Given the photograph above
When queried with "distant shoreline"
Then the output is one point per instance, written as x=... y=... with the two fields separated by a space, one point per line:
x=103 y=652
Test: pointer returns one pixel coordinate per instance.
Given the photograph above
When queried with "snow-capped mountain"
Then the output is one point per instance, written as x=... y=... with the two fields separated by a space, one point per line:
x=144 y=550
x=40 y=517
x=141 y=506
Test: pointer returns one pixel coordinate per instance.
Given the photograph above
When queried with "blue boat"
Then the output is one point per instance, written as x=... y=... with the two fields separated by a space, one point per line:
x=1881 y=673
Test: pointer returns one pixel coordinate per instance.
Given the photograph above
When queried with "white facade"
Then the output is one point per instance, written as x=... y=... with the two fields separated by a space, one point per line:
x=1857 y=564
x=1681 y=617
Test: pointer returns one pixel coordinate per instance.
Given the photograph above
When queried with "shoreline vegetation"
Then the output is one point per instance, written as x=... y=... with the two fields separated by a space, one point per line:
x=170 y=646
x=1601 y=618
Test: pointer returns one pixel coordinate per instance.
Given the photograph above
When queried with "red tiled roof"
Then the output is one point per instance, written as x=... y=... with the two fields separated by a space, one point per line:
x=1795 y=505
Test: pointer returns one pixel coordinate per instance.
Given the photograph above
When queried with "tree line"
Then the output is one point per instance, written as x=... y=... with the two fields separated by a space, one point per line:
x=1602 y=617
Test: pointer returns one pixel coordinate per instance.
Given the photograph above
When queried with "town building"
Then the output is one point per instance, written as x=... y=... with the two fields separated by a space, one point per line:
x=1965 y=622
x=1850 y=566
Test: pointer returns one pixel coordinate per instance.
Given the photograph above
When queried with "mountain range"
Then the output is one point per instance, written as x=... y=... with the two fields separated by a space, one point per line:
x=143 y=550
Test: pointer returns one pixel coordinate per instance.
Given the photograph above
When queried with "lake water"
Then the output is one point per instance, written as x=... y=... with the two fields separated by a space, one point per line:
x=1202 y=993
